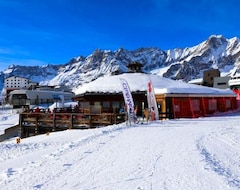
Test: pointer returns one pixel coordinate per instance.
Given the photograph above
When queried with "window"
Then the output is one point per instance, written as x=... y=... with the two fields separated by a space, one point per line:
x=222 y=83
x=122 y=104
x=176 y=108
x=84 y=104
x=228 y=103
x=115 y=104
x=106 y=104
x=212 y=105
x=195 y=105
x=96 y=108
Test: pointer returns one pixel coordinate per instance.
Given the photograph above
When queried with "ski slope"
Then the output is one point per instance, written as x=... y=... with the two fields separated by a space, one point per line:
x=183 y=154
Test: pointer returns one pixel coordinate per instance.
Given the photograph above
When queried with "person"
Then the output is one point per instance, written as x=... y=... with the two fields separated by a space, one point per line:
x=121 y=110
x=25 y=109
x=37 y=110
x=135 y=114
x=146 y=114
x=135 y=110
x=48 y=110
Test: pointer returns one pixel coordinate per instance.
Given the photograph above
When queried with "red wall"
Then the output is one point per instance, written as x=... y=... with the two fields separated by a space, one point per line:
x=193 y=107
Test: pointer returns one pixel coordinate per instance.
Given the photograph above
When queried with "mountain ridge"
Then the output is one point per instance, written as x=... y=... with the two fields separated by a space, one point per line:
x=179 y=64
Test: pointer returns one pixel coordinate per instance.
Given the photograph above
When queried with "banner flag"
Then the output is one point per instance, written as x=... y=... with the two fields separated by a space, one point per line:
x=128 y=99
x=152 y=103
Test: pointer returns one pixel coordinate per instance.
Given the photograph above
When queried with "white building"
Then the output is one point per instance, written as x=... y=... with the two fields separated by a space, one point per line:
x=221 y=82
x=16 y=82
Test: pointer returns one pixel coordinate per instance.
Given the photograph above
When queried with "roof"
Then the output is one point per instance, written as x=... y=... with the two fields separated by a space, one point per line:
x=16 y=77
x=138 y=82
x=196 y=81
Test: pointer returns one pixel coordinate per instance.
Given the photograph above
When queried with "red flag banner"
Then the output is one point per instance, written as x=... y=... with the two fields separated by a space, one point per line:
x=152 y=103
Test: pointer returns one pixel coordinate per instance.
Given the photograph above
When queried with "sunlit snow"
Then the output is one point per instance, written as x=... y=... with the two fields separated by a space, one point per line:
x=186 y=154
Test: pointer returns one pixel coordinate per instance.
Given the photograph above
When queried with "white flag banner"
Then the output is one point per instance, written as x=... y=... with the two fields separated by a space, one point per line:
x=128 y=99
x=152 y=103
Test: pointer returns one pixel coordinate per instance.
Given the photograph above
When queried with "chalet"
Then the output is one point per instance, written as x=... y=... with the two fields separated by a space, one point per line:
x=175 y=99
x=101 y=103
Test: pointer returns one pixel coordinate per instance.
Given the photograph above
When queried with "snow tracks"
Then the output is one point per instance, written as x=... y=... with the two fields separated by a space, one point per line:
x=174 y=154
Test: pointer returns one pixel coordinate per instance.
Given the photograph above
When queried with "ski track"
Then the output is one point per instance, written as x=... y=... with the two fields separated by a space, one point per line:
x=50 y=162
x=94 y=155
x=226 y=138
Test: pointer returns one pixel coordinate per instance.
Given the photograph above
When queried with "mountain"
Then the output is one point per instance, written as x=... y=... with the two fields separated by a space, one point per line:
x=179 y=64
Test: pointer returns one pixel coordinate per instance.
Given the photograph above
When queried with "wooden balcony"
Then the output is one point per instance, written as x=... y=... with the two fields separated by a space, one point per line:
x=32 y=123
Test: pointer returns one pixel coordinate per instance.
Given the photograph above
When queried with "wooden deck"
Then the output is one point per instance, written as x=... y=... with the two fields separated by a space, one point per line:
x=39 y=123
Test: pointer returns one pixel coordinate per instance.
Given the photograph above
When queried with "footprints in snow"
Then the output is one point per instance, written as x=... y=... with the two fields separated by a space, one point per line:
x=100 y=139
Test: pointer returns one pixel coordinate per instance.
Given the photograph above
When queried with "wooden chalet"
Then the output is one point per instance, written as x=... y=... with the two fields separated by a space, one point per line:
x=101 y=103
x=175 y=99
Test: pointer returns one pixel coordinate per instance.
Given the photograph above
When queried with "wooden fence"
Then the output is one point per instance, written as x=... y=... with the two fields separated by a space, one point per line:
x=9 y=133
x=40 y=123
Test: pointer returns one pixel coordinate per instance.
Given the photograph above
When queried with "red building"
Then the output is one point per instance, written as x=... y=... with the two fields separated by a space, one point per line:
x=175 y=99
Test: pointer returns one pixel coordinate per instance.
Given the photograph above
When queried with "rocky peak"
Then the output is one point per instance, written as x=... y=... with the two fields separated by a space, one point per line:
x=216 y=41
x=180 y=64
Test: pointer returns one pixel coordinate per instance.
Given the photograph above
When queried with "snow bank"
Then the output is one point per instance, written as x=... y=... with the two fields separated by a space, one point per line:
x=184 y=154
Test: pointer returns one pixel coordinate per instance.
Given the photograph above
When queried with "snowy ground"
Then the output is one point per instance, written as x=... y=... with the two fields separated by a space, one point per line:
x=7 y=118
x=182 y=154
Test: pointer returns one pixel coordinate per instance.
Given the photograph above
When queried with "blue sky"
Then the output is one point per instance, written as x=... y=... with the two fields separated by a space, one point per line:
x=38 y=32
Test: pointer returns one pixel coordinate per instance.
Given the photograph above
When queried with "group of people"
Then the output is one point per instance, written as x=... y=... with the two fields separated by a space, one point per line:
x=148 y=114
x=55 y=110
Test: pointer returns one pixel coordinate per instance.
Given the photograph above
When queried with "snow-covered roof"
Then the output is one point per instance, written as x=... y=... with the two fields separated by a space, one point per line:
x=138 y=82
x=16 y=77
x=196 y=81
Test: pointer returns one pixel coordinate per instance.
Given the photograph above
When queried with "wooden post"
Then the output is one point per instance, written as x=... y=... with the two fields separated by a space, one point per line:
x=71 y=121
x=54 y=122
x=224 y=103
x=115 y=118
x=18 y=140
x=191 y=107
x=203 y=106
x=20 y=125
x=173 y=106
x=90 y=121
x=36 y=126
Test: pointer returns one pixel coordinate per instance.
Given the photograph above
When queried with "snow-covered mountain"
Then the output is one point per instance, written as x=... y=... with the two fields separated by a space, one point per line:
x=179 y=64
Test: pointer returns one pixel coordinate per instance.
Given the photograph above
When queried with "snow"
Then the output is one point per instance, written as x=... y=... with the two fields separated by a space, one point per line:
x=138 y=82
x=187 y=154
x=162 y=70
x=7 y=118
x=196 y=81
x=62 y=105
